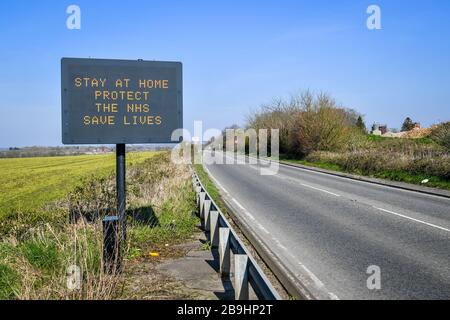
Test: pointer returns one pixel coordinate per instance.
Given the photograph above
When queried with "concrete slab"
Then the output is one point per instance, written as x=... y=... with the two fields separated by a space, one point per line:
x=198 y=273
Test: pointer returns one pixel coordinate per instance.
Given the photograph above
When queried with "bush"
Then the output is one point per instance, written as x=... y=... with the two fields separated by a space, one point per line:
x=279 y=115
x=308 y=123
x=324 y=128
x=441 y=134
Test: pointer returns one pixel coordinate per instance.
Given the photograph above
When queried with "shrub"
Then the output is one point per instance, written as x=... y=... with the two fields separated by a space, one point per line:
x=308 y=123
x=324 y=128
x=441 y=134
x=279 y=115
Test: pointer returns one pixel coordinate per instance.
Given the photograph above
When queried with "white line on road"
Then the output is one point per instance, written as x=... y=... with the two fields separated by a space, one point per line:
x=412 y=219
x=243 y=209
x=215 y=180
x=318 y=189
x=281 y=176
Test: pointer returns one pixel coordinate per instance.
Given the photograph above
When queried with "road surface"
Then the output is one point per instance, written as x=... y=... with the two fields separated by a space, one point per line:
x=332 y=229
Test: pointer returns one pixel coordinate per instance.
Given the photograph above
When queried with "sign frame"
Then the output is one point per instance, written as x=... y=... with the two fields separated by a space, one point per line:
x=70 y=135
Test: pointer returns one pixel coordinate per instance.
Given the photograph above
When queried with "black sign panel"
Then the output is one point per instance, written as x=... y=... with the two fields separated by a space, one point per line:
x=120 y=101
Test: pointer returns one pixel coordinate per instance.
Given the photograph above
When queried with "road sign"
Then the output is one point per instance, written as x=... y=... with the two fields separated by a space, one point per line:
x=120 y=101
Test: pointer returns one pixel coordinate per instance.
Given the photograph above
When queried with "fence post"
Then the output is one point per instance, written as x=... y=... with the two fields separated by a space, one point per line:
x=214 y=227
x=111 y=244
x=224 y=251
x=241 y=277
x=206 y=211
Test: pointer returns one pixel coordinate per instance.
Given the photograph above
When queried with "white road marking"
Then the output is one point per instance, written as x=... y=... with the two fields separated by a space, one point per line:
x=318 y=189
x=263 y=229
x=215 y=181
x=333 y=296
x=243 y=209
x=412 y=219
x=317 y=281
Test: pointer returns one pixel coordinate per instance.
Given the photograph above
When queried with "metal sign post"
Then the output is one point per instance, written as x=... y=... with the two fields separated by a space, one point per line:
x=121 y=188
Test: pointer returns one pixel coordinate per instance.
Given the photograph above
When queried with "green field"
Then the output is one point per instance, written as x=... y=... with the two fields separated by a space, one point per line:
x=29 y=183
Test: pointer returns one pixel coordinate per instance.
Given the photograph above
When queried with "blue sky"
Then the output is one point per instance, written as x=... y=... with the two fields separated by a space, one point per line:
x=236 y=55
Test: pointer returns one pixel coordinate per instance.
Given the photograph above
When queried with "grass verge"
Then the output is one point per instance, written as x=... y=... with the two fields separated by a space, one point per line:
x=210 y=187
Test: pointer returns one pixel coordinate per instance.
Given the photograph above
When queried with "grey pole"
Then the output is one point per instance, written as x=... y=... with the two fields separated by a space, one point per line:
x=120 y=183
x=111 y=245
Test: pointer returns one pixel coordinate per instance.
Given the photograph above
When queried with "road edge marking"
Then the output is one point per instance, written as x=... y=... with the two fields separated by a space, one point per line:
x=413 y=219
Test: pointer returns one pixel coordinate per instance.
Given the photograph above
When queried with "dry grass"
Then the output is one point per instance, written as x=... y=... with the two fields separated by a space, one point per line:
x=42 y=258
x=415 y=157
x=413 y=166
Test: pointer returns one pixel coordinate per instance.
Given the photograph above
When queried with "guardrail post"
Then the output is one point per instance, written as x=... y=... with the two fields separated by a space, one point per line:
x=224 y=251
x=214 y=227
x=111 y=244
x=197 y=196
x=202 y=200
x=206 y=211
x=241 y=277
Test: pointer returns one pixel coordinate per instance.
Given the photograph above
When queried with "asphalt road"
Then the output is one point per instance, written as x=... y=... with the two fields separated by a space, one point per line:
x=332 y=229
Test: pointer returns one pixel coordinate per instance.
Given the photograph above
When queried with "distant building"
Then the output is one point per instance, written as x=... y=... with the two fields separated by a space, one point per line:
x=379 y=129
x=384 y=129
x=376 y=132
x=394 y=134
